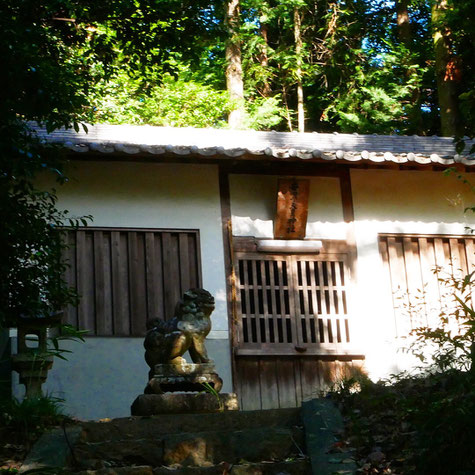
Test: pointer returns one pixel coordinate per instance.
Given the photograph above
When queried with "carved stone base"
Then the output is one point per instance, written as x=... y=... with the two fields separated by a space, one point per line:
x=33 y=369
x=183 y=403
x=184 y=377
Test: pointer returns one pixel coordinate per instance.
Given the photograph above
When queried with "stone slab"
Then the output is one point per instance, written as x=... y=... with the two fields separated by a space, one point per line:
x=295 y=467
x=183 y=403
x=253 y=445
x=52 y=449
x=323 y=427
x=197 y=449
x=146 y=451
x=129 y=428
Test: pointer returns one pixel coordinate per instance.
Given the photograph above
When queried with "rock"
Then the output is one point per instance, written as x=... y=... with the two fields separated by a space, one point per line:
x=376 y=457
x=51 y=450
x=253 y=445
x=193 y=451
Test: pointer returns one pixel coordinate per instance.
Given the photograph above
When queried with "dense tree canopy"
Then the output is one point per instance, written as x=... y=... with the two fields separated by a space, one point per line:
x=354 y=65
x=384 y=66
x=368 y=66
x=402 y=66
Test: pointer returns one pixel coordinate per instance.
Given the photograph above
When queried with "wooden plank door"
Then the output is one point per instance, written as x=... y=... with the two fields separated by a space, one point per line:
x=292 y=326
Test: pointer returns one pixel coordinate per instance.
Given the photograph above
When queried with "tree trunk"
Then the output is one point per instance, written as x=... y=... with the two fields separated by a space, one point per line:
x=234 y=79
x=264 y=60
x=403 y=24
x=447 y=71
x=298 y=70
x=287 y=110
x=404 y=33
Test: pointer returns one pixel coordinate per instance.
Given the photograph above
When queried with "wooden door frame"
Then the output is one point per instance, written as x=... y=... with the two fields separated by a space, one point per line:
x=277 y=169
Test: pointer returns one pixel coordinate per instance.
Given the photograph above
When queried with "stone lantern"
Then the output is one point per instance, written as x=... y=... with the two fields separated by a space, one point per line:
x=33 y=360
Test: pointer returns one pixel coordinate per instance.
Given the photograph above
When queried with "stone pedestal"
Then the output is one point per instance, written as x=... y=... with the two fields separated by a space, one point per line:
x=33 y=369
x=183 y=388
x=185 y=377
x=183 y=403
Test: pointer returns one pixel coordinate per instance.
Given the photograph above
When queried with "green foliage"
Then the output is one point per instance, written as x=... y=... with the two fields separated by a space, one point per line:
x=174 y=102
x=33 y=412
x=54 y=53
x=449 y=342
x=27 y=420
x=180 y=101
x=209 y=389
x=64 y=332
x=379 y=97
x=423 y=424
x=31 y=263
x=263 y=113
x=356 y=72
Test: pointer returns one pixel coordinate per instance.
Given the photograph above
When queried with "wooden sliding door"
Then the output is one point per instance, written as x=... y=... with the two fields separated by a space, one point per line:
x=293 y=326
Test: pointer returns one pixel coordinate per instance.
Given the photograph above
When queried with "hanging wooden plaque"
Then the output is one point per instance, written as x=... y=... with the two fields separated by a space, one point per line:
x=292 y=208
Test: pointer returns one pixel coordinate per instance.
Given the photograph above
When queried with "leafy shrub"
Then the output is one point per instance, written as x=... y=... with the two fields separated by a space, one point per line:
x=423 y=422
x=449 y=342
x=25 y=421
x=174 y=103
x=177 y=102
x=263 y=113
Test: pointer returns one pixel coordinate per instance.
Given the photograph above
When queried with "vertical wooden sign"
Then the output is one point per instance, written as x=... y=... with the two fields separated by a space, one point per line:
x=292 y=208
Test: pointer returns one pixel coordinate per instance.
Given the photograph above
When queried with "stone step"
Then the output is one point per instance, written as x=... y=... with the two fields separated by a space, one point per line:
x=129 y=428
x=255 y=442
x=197 y=449
x=289 y=467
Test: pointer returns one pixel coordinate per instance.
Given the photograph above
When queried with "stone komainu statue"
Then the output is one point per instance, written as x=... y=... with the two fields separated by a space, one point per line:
x=167 y=341
x=175 y=386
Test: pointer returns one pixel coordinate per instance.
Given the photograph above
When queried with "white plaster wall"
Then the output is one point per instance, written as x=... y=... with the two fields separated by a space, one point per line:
x=254 y=201
x=104 y=375
x=391 y=201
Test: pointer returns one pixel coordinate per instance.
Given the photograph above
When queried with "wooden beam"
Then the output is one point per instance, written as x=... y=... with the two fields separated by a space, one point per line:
x=347 y=196
x=226 y=228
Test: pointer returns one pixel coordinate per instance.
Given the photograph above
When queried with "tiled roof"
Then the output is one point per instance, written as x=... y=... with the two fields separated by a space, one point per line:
x=221 y=143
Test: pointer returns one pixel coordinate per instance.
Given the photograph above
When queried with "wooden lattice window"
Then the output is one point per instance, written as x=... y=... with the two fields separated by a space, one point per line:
x=290 y=304
x=126 y=276
x=416 y=267
x=321 y=301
